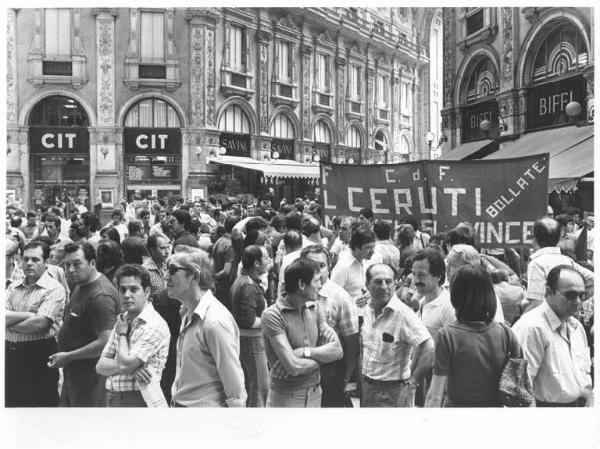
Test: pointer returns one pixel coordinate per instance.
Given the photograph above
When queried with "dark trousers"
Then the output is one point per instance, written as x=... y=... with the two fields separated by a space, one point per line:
x=332 y=384
x=82 y=386
x=29 y=382
x=577 y=403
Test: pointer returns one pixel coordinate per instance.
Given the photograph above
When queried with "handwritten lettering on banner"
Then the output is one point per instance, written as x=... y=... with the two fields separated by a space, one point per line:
x=500 y=198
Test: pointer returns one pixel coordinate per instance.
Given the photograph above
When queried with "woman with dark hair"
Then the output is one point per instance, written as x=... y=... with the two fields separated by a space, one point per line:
x=134 y=248
x=111 y=234
x=470 y=353
x=109 y=257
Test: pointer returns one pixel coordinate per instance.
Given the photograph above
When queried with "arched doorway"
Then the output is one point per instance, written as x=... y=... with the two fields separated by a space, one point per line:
x=152 y=150
x=59 y=147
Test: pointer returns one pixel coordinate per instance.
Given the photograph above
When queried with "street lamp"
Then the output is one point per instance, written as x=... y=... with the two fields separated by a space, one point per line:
x=573 y=109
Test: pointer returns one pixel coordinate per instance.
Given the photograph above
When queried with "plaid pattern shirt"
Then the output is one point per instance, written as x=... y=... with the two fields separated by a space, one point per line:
x=45 y=298
x=157 y=275
x=341 y=312
x=387 y=341
x=148 y=341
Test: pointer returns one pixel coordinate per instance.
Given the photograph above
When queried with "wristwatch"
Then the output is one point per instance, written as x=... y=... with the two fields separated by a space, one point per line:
x=306 y=353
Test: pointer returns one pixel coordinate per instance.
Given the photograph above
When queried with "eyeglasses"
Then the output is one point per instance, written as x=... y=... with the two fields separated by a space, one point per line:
x=172 y=269
x=572 y=295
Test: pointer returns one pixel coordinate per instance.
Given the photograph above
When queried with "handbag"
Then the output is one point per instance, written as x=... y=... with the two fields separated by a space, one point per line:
x=515 y=389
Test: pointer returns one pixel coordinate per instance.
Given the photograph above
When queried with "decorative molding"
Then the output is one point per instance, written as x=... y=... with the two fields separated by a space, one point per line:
x=306 y=129
x=532 y=14
x=341 y=100
x=105 y=32
x=197 y=94
x=370 y=107
x=211 y=78
x=507 y=45
x=263 y=36
x=199 y=15
x=305 y=49
x=264 y=88
x=448 y=52
x=11 y=69
x=287 y=22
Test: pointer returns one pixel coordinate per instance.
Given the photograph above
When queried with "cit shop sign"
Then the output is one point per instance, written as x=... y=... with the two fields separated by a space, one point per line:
x=58 y=140
x=322 y=151
x=152 y=140
x=472 y=116
x=235 y=144
x=500 y=198
x=285 y=148
x=546 y=103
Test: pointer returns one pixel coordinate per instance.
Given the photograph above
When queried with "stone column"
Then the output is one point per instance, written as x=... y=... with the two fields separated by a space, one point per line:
x=370 y=104
x=340 y=65
x=306 y=52
x=263 y=39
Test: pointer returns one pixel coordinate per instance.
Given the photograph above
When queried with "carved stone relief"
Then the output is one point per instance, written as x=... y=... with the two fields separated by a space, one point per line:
x=306 y=131
x=210 y=77
x=264 y=88
x=197 y=76
x=11 y=69
x=507 y=45
x=105 y=69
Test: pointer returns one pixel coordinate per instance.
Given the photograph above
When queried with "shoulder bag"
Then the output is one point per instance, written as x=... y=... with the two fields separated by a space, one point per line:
x=515 y=389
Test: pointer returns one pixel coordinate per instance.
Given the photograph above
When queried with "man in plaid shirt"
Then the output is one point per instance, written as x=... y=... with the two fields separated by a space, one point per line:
x=342 y=316
x=136 y=351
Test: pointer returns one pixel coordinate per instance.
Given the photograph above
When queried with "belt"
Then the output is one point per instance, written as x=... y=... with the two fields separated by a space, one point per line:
x=384 y=382
x=579 y=402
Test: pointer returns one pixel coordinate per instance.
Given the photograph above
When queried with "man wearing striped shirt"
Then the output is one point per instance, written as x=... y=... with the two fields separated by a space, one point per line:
x=34 y=310
x=136 y=351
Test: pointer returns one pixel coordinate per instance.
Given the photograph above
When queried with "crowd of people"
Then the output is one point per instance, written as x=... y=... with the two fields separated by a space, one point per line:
x=233 y=304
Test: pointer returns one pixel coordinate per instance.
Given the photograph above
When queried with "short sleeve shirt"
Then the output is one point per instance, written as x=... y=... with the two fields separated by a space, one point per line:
x=387 y=341
x=302 y=327
x=93 y=308
x=340 y=311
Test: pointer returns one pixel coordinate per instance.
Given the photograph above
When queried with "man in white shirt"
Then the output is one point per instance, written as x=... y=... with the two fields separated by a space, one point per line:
x=429 y=274
x=349 y=272
x=293 y=246
x=546 y=234
x=555 y=345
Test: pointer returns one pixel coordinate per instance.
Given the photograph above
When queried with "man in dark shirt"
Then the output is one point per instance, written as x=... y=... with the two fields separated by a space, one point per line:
x=180 y=223
x=248 y=299
x=90 y=316
x=224 y=257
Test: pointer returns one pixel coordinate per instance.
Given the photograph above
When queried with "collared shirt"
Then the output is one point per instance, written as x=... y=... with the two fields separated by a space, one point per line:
x=558 y=354
x=45 y=298
x=542 y=261
x=304 y=328
x=340 y=311
x=208 y=372
x=157 y=274
x=248 y=298
x=387 y=341
x=437 y=313
x=148 y=340
x=349 y=274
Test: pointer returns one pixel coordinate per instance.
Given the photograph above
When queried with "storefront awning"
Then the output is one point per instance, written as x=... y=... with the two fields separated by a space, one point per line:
x=465 y=150
x=571 y=152
x=274 y=168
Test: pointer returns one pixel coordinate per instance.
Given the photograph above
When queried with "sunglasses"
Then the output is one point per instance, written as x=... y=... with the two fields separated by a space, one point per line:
x=572 y=295
x=172 y=269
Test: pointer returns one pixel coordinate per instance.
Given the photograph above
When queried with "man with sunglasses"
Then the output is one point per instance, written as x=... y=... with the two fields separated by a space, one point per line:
x=209 y=372
x=555 y=345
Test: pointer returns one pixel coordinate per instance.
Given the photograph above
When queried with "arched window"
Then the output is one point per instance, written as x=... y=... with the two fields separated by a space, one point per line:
x=282 y=127
x=353 y=139
x=321 y=132
x=152 y=113
x=562 y=53
x=58 y=110
x=381 y=141
x=483 y=81
x=404 y=145
x=234 y=120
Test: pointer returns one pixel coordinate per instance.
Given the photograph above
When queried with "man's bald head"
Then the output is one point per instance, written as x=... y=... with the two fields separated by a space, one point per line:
x=546 y=232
